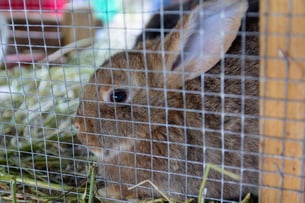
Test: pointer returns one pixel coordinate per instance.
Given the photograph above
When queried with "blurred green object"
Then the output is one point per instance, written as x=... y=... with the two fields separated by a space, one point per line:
x=105 y=10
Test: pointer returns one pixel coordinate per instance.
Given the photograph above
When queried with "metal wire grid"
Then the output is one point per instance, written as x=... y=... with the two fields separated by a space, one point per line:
x=79 y=159
x=29 y=125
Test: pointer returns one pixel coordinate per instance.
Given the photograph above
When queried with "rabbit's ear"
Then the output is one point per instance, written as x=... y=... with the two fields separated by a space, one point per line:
x=201 y=38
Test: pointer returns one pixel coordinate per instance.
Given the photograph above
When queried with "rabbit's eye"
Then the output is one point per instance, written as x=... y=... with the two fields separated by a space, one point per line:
x=118 y=95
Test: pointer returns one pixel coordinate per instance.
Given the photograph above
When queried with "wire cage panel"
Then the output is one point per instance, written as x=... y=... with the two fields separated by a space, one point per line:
x=195 y=100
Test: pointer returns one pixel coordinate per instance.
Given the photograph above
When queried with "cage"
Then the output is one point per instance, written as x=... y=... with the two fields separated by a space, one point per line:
x=152 y=101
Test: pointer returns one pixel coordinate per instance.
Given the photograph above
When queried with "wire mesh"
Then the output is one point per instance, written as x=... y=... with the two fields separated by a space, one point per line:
x=148 y=100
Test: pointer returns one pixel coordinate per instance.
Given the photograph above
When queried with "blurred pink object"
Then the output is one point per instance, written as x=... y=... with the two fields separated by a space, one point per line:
x=49 y=5
x=24 y=59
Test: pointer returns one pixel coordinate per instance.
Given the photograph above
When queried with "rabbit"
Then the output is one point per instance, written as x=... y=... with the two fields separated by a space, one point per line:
x=164 y=109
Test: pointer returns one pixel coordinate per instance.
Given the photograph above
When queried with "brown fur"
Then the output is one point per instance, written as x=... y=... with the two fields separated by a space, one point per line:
x=160 y=132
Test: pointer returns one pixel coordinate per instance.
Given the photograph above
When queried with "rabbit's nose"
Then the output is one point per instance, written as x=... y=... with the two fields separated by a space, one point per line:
x=77 y=125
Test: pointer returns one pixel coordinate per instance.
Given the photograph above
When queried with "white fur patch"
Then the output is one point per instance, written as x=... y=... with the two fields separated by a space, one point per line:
x=108 y=154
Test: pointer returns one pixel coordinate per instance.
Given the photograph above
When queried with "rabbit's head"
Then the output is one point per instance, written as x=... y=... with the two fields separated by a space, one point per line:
x=132 y=92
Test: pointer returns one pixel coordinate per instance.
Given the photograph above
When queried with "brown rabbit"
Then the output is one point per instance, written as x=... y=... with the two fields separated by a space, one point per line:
x=147 y=115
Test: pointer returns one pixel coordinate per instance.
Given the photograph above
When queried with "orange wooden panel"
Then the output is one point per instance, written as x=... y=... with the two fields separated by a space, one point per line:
x=282 y=105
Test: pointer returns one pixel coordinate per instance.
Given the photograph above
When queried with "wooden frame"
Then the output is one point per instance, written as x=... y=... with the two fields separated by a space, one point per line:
x=282 y=106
